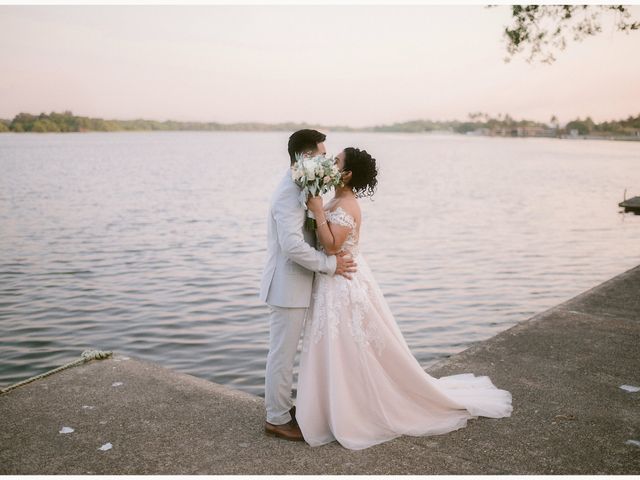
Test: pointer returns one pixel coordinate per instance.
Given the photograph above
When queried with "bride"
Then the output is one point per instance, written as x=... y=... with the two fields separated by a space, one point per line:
x=358 y=382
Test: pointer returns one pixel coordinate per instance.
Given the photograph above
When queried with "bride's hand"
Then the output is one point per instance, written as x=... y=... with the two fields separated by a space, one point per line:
x=314 y=203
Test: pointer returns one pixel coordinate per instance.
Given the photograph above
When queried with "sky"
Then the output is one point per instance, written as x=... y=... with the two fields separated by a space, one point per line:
x=352 y=65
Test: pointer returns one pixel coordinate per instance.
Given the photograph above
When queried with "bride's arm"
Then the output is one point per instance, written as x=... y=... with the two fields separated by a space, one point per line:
x=331 y=236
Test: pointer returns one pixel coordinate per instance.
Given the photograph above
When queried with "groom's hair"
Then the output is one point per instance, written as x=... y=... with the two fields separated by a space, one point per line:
x=304 y=140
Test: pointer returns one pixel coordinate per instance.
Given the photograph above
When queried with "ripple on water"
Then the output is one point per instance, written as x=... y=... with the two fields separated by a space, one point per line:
x=170 y=272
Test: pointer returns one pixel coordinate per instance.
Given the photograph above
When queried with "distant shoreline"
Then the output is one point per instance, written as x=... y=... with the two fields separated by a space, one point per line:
x=479 y=124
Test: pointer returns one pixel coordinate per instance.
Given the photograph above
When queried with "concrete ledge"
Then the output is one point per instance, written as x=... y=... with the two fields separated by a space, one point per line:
x=563 y=367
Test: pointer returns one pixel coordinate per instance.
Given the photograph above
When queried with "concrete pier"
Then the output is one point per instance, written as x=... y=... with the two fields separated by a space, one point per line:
x=563 y=366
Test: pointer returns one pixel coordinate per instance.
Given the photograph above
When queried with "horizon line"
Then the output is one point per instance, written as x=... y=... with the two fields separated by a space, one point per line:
x=318 y=124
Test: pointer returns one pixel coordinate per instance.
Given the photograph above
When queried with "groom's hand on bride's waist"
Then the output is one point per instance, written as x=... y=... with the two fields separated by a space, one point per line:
x=345 y=265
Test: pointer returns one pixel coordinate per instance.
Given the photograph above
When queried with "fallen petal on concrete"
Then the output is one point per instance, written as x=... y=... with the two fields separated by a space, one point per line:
x=106 y=446
x=116 y=384
x=630 y=388
x=66 y=430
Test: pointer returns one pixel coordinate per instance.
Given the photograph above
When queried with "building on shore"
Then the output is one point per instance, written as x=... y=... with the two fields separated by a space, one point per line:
x=516 y=131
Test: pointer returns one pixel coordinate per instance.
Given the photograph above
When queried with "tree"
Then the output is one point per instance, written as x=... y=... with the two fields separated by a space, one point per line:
x=543 y=28
x=22 y=122
x=582 y=126
x=44 y=125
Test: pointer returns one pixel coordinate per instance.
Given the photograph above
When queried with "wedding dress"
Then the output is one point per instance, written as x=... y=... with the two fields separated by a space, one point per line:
x=358 y=382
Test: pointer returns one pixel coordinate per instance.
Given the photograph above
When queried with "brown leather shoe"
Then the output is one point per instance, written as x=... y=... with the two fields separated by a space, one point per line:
x=288 y=431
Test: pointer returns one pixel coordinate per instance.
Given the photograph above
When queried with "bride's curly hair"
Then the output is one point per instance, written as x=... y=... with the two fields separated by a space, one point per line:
x=363 y=171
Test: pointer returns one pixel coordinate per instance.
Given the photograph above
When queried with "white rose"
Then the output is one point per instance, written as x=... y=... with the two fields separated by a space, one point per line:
x=297 y=173
x=310 y=169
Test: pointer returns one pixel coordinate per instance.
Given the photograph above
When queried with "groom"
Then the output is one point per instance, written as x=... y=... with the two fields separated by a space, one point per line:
x=286 y=286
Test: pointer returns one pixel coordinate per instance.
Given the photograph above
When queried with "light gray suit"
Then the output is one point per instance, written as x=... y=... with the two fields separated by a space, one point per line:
x=286 y=287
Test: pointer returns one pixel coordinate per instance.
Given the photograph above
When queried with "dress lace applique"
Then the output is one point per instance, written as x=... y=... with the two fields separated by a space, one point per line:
x=340 y=217
x=336 y=299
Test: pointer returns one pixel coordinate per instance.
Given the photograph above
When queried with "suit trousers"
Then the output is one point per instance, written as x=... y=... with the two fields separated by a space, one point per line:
x=285 y=328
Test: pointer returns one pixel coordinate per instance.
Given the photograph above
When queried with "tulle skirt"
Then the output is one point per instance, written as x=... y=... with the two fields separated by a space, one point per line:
x=358 y=382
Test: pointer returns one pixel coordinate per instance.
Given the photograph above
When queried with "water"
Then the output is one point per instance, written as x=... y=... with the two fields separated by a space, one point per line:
x=152 y=244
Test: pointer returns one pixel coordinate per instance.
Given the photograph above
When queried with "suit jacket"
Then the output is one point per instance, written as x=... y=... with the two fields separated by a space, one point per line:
x=291 y=257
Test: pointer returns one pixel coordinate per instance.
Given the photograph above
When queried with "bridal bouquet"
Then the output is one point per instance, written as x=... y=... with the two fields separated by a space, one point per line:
x=316 y=176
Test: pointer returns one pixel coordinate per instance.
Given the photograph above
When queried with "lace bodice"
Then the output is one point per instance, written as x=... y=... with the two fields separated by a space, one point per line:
x=340 y=217
x=339 y=302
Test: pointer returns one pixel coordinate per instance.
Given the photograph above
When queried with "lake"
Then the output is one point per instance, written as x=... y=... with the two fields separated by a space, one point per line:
x=152 y=244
